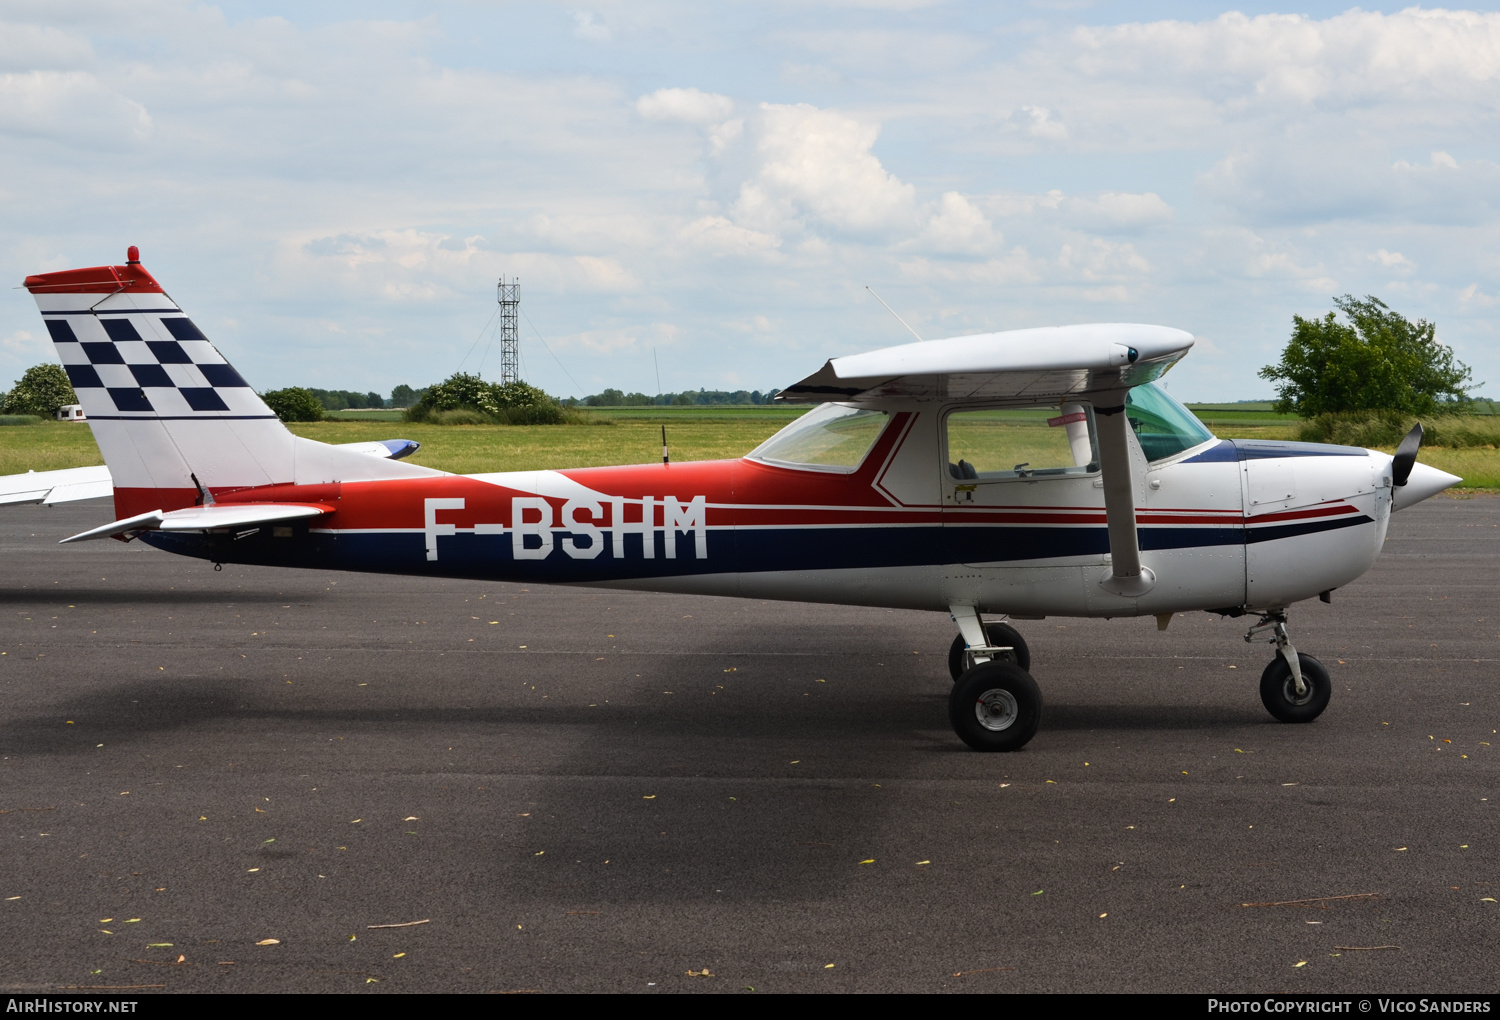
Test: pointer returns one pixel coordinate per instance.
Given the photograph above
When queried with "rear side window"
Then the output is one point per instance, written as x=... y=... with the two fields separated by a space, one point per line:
x=830 y=437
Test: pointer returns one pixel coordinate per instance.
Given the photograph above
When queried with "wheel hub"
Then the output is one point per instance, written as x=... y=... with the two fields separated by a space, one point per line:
x=1289 y=691
x=996 y=710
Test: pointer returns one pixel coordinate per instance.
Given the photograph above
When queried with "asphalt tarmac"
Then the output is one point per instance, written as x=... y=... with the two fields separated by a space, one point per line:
x=576 y=790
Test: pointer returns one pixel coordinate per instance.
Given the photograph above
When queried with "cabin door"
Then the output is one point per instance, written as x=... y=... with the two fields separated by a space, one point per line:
x=1018 y=486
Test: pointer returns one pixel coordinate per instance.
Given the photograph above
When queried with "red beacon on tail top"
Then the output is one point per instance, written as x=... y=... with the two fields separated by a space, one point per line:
x=129 y=278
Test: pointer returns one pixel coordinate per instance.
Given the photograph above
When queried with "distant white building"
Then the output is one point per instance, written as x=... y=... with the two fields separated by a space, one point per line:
x=71 y=412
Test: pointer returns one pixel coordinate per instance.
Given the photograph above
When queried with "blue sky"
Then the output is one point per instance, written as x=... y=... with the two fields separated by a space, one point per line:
x=331 y=189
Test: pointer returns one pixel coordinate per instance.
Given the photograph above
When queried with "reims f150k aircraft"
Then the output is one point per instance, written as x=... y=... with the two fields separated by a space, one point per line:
x=908 y=486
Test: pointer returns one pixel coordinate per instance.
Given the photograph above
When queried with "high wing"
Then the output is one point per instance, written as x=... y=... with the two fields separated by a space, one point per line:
x=1099 y=361
x=1031 y=364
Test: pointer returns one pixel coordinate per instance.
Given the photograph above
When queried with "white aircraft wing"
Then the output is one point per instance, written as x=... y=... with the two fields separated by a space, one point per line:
x=1032 y=364
x=48 y=487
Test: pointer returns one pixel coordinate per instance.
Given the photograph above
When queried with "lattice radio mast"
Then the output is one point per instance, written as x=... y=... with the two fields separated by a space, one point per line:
x=509 y=296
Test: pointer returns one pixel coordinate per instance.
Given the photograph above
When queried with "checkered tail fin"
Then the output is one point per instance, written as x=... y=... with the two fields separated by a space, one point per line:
x=174 y=420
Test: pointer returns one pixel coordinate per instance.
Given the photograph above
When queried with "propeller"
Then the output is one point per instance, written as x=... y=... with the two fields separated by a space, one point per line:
x=1406 y=455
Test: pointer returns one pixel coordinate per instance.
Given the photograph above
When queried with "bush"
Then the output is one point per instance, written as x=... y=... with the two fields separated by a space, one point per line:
x=1379 y=360
x=41 y=391
x=19 y=419
x=294 y=404
x=459 y=416
x=483 y=402
x=1388 y=428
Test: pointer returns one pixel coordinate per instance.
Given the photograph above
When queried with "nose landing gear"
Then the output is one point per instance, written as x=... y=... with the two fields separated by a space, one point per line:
x=1294 y=687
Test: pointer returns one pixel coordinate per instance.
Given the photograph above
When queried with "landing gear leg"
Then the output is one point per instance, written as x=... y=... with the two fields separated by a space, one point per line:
x=982 y=642
x=995 y=705
x=1294 y=687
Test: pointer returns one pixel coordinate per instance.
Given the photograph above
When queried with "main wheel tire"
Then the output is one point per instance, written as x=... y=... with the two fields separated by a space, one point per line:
x=1278 y=689
x=995 y=706
x=998 y=634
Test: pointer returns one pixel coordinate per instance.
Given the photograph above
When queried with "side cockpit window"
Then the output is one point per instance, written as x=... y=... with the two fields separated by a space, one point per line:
x=1164 y=427
x=830 y=437
x=1021 y=443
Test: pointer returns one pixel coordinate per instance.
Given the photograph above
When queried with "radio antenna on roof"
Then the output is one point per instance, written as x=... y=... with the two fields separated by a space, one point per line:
x=893 y=312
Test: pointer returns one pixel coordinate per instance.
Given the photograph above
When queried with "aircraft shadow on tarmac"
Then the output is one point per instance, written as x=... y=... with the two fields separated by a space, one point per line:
x=110 y=597
x=1137 y=717
x=134 y=711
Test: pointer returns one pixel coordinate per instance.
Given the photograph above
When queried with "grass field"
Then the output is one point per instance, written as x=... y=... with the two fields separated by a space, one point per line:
x=618 y=436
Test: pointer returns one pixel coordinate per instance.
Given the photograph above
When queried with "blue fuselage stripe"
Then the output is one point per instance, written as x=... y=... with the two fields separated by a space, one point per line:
x=746 y=550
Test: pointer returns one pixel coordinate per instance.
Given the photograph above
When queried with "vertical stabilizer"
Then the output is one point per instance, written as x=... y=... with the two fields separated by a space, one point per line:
x=172 y=417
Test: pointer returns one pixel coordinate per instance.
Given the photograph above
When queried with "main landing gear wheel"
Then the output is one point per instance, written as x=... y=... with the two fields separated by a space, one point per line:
x=998 y=634
x=1278 y=689
x=995 y=706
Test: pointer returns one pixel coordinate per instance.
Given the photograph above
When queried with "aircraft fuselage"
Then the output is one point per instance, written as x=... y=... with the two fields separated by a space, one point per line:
x=1240 y=523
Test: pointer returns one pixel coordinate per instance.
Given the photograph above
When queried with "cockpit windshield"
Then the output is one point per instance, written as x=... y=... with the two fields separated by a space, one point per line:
x=830 y=437
x=1164 y=427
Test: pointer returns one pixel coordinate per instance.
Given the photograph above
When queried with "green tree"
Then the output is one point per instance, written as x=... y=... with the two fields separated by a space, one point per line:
x=41 y=391
x=1378 y=360
x=403 y=396
x=516 y=403
x=294 y=404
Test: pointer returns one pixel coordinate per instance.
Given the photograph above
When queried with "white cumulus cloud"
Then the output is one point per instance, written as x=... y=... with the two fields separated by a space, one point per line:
x=817 y=164
x=688 y=105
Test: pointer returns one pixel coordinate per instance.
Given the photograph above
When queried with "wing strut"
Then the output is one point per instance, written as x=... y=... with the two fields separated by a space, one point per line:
x=1126 y=577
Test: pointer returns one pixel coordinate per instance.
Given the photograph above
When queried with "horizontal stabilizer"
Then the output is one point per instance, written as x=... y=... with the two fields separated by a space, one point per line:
x=205 y=518
x=60 y=486
x=394 y=449
x=68 y=485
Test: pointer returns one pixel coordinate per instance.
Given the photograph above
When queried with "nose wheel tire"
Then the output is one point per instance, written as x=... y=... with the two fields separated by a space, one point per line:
x=995 y=706
x=997 y=634
x=1278 y=689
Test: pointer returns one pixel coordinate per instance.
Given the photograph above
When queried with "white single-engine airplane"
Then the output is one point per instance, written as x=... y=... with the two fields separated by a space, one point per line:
x=910 y=486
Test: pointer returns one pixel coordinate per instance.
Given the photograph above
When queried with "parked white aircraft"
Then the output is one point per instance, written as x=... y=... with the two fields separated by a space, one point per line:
x=908 y=487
